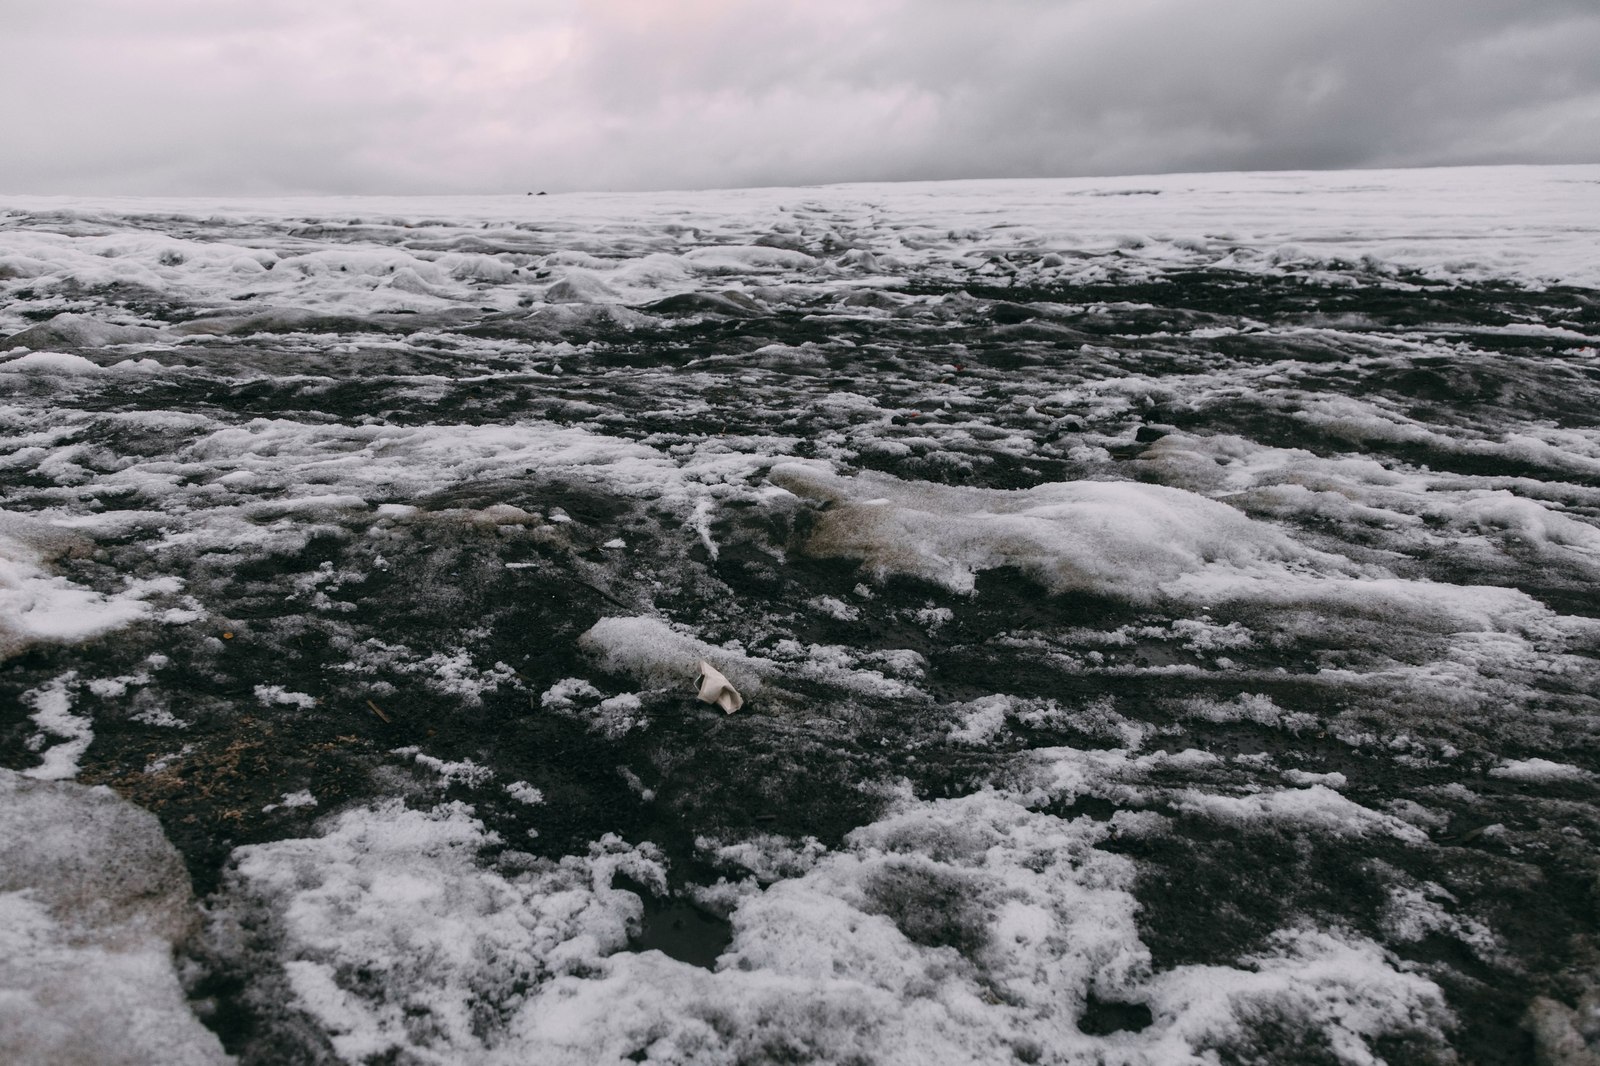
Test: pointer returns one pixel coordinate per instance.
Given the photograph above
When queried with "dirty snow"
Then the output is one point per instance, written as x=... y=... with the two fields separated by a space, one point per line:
x=1164 y=605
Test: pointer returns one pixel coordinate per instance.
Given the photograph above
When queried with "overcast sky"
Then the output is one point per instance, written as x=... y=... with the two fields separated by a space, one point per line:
x=405 y=96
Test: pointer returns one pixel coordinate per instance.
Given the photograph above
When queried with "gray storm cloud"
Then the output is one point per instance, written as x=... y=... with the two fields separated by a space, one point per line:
x=178 y=96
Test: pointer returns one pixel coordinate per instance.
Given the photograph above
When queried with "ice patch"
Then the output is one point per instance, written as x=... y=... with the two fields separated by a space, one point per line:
x=565 y=694
x=618 y=716
x=1302 y=778
x=835 y=608
x=981 y=720
x=1248 y=707
x=112 y=687
x=955 y=931
x=1317 y=808
x=579 y=286
x=52 y=713
x=388 y=933
x=292 y=801
x=92 y=900
x=58 y=363
x=1540 y=770
x=966 y=931
x=1424 y=605
x=36 y=607
x=270 y=695
x=76 y=331
x=1111 y=538
x=663 y=656
x=1143 y=543
x=745 y=259
x=461 y=772
x=1348 y=992
x=764 y=856
x=453 y=673
x=523 y=792
x=1416 y=910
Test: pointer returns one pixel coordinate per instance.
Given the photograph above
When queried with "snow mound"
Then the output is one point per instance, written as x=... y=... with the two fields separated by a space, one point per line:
x=92 y=899
x=389 y=934
x=78 y=331
x=58 y=364
x=1542 y=770
x=580 y=287
x=1317 y=808
x=1142 y=543
x=658 y=654
x=746 y=259
x=1110 y=538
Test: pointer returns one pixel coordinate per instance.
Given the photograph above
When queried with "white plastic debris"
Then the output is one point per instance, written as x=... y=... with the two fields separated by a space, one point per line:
x=714 y=688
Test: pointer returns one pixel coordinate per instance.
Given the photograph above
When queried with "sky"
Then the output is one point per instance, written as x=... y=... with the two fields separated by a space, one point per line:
x=201 y=97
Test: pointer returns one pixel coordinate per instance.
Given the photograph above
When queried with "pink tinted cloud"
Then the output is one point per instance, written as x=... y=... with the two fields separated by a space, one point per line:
x=494 y=95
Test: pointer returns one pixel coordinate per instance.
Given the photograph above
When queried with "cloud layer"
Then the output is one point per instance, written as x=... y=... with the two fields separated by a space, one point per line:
x=189 y=96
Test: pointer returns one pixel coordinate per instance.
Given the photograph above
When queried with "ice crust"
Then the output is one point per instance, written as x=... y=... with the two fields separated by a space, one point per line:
x=1112 y=538
x=92 y=900
x=1143 y=543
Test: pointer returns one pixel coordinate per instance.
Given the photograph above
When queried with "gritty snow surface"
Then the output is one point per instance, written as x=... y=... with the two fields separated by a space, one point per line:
x=1163 y=608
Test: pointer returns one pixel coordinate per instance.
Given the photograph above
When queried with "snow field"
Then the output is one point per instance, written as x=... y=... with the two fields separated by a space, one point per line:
x=1077 y=546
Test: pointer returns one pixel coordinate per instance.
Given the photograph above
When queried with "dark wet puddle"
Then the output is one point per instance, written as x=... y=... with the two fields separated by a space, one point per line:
x=677 y=927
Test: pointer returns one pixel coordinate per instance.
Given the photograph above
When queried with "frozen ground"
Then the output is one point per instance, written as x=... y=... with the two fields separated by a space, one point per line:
x=1165 y=608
